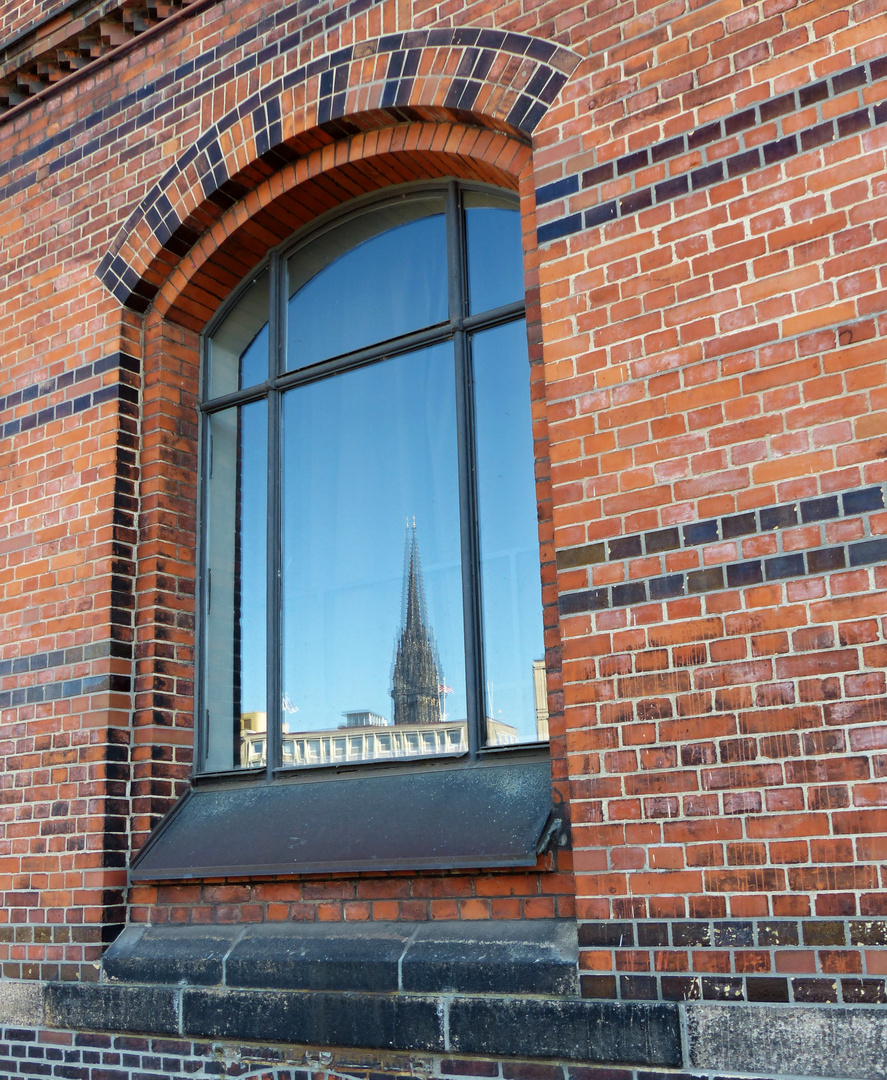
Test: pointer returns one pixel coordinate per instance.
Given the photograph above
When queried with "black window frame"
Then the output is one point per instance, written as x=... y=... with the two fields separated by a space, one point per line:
x=457 y=327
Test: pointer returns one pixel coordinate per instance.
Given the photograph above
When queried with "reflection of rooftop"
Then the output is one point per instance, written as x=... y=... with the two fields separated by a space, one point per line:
x=363 y=718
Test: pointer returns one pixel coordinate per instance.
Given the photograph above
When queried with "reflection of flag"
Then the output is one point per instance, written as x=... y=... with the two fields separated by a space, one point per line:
x=288 y=705
x=442 y=688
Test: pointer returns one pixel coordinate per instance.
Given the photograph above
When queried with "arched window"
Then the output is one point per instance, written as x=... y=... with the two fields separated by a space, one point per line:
x=371 y=587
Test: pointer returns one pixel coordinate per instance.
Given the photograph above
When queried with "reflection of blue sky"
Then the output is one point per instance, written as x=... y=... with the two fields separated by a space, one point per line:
x=364 y=452
x=253 y=548
x=387 y=286
x=512 y=605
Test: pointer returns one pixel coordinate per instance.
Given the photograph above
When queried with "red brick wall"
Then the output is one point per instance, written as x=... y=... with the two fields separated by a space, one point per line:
x=706 y=307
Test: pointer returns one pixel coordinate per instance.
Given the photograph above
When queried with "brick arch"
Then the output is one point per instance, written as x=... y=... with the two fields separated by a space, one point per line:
x=317 y=182
x=492 y=80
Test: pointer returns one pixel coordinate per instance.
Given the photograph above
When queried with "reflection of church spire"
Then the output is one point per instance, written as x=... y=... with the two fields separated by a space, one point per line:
x=416 y=686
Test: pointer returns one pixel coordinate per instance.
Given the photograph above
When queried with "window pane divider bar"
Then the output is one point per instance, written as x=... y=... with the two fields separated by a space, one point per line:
x=273 y=680
x=471 y=608
x=382 y=351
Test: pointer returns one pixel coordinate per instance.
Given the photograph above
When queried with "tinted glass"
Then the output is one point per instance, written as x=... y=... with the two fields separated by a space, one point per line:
x=495 y=257
x=376 y=276
x=236 y=544
x=238 y=350
x=366 y=454
x=509 y=543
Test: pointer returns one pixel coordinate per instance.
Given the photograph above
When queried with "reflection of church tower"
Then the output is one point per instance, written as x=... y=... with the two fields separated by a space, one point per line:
x=416 y=686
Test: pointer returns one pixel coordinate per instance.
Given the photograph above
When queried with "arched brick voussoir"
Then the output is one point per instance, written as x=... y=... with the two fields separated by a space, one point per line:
x=488 y=78
x=298 y=192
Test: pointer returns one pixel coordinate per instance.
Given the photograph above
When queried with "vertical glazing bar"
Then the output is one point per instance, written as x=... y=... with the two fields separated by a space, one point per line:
x=201 y=721
x=274 y=701
x=474 y=679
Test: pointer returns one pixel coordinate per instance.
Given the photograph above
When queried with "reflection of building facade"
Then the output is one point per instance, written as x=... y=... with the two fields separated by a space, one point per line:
x=540 y=699
x=395 y=741
x=416 y=684
x=253 y=738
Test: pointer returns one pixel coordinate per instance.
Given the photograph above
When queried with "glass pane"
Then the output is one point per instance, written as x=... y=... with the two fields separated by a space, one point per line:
x=516 y=707
x=238 y=350
x=373 y=653
x=372 y=278
x=236 y=541
x=495 y=255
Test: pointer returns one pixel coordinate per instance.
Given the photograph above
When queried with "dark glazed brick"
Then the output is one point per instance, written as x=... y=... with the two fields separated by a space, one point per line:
x=868 y=551
x=819 y=509
x=638 y=987
x=531 y=1072
x=822 y=560
x=822 y=932
x=784 y=566
x=859 y=502
x=864 y=991
x=552 y=230
x=591 y=600
x=868 y=933
x=766 y=989
x=817 y=136
x=824 y=991
x=810 y=95
x=631 y=162
x=722 y=988
x=672 y=189
x=847 y=80
x=778 y=517
x=558 y=190
x=740 y=121
x=618 y=935
x=633 y=592
x=598 y=215
x=743 y=163
x=598 y=986
x=705 y=580
x=652 y=933
x=664 y=588
x=691 y=933
x=581 y=556
x=853 y=122
x=680 y=988
x=738 y=525
x=669 y=148
x=747 y=573
x=704 y=135
x=624 y=547
x=662 y=540
x=638 y=200
x=709 y=174
x=780 y=149
x=469 y=1068
x=599 y=175
x=700 y=532
x=733 y=934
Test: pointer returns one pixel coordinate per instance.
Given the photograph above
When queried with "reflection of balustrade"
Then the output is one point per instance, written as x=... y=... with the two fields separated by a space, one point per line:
x=372 y=743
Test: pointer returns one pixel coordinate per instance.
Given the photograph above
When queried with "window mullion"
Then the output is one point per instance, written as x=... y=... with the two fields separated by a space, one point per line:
x=273 y=704
x=458 y=294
